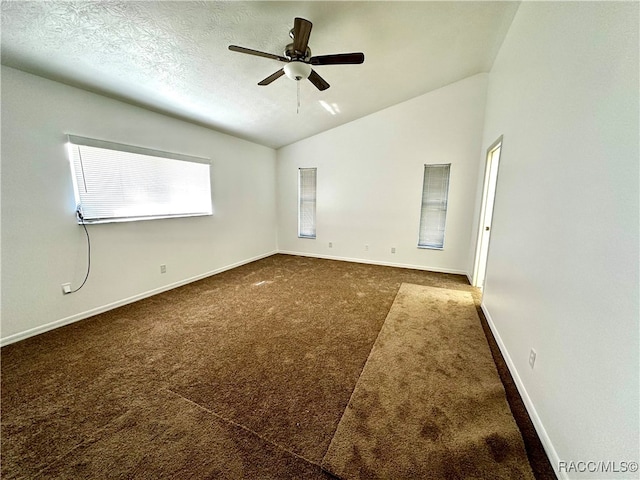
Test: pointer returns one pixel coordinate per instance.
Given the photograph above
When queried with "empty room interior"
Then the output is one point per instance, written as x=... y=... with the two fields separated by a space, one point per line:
x=320 y=240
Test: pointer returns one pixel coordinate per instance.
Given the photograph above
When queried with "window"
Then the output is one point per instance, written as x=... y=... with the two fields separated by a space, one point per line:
x=120 y=183
x=433 y=214
x=307 y=203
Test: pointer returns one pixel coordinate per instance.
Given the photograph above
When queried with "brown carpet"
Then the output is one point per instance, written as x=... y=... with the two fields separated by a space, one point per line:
x=197 y=381
x=429 y=403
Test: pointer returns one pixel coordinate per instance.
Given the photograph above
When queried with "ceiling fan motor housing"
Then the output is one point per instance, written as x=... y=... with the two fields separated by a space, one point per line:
x=293 y=54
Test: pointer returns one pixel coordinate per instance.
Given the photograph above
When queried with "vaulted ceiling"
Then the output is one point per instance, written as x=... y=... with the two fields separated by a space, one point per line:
x=173 y=57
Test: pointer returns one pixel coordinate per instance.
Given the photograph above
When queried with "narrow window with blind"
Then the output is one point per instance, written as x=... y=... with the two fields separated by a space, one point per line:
x=307 y=202
x=433 y=214
x=122 y=183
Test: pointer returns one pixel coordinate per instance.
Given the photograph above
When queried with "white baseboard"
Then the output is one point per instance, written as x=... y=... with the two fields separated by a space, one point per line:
x=531 y=409
x=104 y=308
x=375 y=262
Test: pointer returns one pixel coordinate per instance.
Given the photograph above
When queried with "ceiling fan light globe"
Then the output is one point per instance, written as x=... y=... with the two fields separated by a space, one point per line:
x=297 y=70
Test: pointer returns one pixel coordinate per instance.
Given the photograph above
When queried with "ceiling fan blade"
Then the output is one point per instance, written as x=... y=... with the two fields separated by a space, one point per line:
x=301 y=33
x=272 y=77
x=235 y=48
x=338 y=59
x=318 y=81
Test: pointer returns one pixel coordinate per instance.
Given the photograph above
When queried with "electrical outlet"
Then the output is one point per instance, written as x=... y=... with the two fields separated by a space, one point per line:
x=163 y=269
x=393 y=249
x=66 y=288
x=330 y=244
x=532 y=357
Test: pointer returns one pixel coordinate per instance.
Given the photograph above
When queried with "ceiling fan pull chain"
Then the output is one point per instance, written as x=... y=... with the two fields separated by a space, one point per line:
x=298 y=88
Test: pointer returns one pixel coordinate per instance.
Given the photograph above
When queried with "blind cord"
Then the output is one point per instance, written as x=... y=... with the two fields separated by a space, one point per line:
x=81 y=217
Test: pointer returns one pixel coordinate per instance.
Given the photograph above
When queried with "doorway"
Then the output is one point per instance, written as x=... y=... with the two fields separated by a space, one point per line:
x=486 y=212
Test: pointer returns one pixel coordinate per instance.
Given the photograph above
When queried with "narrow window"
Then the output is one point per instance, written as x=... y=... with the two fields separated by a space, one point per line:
x=433 y=214
x=307 y=203
x=120 y=183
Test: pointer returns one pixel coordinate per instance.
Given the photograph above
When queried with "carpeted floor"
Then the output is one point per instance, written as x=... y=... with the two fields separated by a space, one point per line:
x=242 y=375
x=429 y=403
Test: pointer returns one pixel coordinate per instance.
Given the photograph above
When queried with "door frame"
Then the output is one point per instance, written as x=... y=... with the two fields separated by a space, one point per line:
x=486 y=188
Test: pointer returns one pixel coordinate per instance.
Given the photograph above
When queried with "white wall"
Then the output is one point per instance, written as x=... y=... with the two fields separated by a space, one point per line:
x=42 y=245
x=370 y=174
x=563 y=263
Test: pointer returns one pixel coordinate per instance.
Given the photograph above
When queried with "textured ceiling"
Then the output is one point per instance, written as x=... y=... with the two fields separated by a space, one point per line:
x=172 y=57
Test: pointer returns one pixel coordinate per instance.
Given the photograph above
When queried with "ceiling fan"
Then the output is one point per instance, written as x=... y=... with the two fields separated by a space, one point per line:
x=298 y=59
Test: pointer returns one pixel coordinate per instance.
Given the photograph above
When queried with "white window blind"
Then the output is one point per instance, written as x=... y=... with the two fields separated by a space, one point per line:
x=118 y=183
x=307 y=202
x=433 y=214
